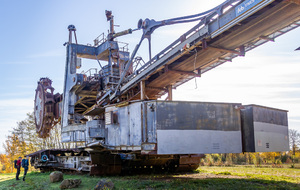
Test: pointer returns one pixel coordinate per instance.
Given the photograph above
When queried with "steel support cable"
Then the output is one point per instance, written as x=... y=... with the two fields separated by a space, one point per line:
x=205 y=16
x=196 y=15
x=128 y=65
x=184 y=21
x=190 y=18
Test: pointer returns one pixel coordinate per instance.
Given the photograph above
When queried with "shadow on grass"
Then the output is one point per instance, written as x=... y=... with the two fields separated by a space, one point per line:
x=169 y=182
x=41 y=181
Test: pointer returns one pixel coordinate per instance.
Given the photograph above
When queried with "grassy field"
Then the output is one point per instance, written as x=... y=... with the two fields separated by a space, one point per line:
x=204 y=178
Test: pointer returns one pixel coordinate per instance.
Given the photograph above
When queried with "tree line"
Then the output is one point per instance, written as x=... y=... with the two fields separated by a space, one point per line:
x=24 y=140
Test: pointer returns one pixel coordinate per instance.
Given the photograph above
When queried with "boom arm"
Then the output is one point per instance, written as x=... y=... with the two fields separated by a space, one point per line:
x=149 y=26
x=224 y=33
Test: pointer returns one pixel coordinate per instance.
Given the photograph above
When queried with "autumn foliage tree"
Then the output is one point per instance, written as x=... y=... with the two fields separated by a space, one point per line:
x=13 y=148
x=24 y=140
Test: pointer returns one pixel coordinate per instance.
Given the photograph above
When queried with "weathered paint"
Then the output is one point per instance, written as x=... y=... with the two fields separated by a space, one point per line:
x=264 y=129
x=159 y=123
x=197 y=115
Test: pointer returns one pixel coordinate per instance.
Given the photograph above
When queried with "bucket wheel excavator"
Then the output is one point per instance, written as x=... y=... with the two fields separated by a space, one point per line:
x=115 y=114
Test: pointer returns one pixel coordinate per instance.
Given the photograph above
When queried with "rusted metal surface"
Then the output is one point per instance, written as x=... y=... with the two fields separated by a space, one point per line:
x=55 y=151
x=46 y=108
x=293 y=1
x=105 y=164
x=190 y=159
x=189 y=162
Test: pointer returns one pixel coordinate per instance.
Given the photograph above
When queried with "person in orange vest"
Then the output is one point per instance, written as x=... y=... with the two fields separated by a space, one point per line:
x=18 y=167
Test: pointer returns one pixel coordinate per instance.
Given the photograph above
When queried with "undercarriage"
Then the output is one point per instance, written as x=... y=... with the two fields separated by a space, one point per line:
x=107 y=163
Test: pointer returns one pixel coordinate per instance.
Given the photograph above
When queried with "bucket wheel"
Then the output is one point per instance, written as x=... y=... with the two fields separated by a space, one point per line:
x=45 y=108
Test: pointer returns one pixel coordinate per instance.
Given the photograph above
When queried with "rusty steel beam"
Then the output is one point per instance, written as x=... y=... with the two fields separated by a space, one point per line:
x=185 y=72
x=223 y=50
x=170 y=94
x=156 y=88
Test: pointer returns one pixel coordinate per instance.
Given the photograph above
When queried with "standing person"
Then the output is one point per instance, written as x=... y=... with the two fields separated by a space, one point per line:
x=18 y=168
x=25 y=164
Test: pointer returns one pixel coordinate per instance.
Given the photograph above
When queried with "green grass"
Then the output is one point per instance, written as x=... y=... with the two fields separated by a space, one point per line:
x=271 y=174
x=4 y=177
x=204 y=178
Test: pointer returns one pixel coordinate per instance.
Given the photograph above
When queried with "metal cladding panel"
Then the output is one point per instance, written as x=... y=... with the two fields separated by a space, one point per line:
x=198 y=141
x=198 y=128
x=113 y=135
x=264 y=129
x=149 y=122
x=125 y=128
x=124 y=123
x=197 y=116
x=113 y=128
x=95 y=129
x=270 y=115
x=270 y=137
x=248 y=129
x=135 y=124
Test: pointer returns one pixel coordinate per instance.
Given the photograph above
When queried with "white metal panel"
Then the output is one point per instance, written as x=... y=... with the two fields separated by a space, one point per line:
x=124 y=123
x=198 y=141
x=113 y=135
x=135 y=125
x=270 y=137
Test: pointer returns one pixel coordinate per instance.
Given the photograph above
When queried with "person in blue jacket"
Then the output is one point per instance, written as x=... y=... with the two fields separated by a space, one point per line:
x=25 y=164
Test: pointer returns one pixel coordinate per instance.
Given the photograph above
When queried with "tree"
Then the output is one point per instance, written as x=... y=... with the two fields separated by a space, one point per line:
x=26 y=131
x=3 y=163
x=294 y=137
x=13 y=148
x=24 y=140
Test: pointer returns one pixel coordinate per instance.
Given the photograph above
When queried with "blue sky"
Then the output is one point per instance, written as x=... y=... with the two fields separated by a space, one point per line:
x=33 y=33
